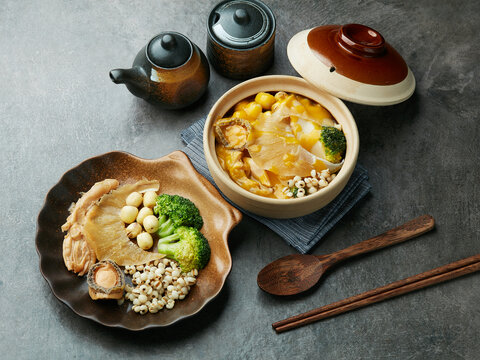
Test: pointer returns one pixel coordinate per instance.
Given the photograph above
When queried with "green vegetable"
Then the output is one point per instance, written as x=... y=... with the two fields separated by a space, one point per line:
x=187 y=246
x=294 y=191
x=174 y=211
x=334 y=143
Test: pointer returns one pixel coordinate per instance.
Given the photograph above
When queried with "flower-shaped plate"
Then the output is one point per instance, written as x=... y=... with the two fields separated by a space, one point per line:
x=176 y=176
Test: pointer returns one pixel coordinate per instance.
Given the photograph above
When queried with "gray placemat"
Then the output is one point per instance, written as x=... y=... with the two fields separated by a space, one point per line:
x=303 y=232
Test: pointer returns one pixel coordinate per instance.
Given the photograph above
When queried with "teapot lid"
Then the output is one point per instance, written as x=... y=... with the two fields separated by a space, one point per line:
x=169 y=50
x=352 y=62
x=241 y=24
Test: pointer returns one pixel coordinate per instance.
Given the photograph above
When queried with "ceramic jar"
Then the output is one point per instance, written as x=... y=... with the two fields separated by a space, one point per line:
x=241 y=38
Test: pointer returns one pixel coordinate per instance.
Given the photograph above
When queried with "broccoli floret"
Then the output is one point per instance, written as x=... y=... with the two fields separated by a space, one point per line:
x=174 y=211
x=334 y=143
x=187 y=246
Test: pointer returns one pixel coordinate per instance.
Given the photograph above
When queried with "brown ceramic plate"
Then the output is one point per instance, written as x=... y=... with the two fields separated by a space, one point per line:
x=176 y=176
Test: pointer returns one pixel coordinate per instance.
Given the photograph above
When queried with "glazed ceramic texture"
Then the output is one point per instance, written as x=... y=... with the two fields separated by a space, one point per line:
x=168 y=87
x=359 y=53
x=241 y=64
x=365 y=86
x=176 y=176
x=280 y=208
x=245 y=48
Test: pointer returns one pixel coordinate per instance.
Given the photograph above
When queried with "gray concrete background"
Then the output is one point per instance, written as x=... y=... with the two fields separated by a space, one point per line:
x=58 y=107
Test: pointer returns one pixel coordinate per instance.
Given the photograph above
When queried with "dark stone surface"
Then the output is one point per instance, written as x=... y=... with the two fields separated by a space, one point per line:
x=58 y=107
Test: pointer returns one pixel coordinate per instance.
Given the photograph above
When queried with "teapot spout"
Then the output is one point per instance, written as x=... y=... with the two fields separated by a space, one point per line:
x=119 y=76
x=135 y=79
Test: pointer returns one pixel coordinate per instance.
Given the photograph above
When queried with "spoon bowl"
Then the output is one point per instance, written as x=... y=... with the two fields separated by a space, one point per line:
x=293 y=274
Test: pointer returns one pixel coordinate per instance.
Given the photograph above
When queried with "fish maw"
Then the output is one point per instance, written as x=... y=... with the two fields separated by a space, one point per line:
x=274 y=147
x=78 y=256
x=105 y=231
x=315 y=114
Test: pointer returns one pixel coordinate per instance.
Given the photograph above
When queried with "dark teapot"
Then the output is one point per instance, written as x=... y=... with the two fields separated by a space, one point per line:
x=170 y=71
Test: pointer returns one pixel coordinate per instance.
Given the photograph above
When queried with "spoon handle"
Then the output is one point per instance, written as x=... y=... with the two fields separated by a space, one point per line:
x=407 y=231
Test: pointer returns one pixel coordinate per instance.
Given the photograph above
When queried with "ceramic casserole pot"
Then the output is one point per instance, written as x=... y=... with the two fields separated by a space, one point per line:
x=280 y=208
x=353 y=62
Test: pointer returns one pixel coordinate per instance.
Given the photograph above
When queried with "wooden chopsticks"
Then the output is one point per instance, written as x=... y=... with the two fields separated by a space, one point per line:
x=412 y=283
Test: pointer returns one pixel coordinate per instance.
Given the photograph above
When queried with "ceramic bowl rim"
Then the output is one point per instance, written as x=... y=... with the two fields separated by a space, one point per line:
x=213 y=160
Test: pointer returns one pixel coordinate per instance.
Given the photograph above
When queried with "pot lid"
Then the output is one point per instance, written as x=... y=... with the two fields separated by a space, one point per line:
x=241 y=24
x=352 y=62
x=169 y=50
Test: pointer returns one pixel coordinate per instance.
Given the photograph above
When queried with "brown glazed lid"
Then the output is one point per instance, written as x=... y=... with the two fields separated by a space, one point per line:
x=352 y=62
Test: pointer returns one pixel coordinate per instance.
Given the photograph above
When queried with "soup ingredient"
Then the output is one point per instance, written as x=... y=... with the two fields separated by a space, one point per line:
x=134 y=199
x=105 y=231
x=150 y=224
x=232 y=133
x=266 y=100
x=105 y=281
x=149 y=199
x=275 y=148
x=143 y=213
x=145 y=240
x=300 y=108
x=299 y=187
x=284 y=140
x=174 y=211
x=252 y=110
x=187 y=246
x=158 y=285
x=236 y=165
x=257 y=172
x=334 y=143
x=128 y=214
x=133 y=230
x=280 y=95
x=78 y=255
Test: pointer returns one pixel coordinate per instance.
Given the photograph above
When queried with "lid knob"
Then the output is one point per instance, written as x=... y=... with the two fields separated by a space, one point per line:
x=241 y=16
x=169 y=50
x=361 y=40
x=168 y=42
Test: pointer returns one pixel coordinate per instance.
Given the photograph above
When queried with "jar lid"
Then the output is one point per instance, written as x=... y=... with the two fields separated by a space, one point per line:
x=352 y=62
x=241 y=24
x=169 y=50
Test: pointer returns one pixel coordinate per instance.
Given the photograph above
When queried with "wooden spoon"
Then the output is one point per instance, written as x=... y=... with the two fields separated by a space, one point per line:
x=296 y=273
